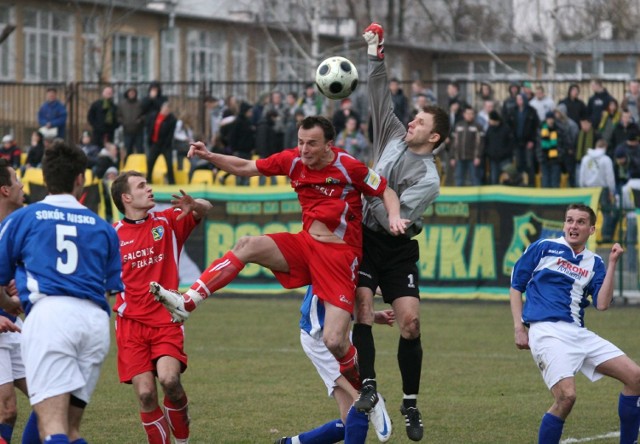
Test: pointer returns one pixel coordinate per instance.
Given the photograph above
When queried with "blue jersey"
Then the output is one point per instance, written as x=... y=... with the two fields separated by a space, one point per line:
x=312 y=310
x=7 y=315
x=58 y=247
x=557 y=281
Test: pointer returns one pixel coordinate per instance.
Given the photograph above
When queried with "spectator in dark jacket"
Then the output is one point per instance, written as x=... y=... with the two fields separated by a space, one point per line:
x=131 y=117
x=400 y=101
x=550 y=150
x=266 y=138
x=160 y=132
x=576 y=109
x=90 y=149
x=10 y=151
x=151 y=106
x=498 y=146
x=35 y=151
x=52 y=113
x=242 y=137
x=103 y=118
x=523 y=122
x=598 y=102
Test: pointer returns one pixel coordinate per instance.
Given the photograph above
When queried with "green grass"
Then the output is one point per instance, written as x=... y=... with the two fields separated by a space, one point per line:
x=249 y=381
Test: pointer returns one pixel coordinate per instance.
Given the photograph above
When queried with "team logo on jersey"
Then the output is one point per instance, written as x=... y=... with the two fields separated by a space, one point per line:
x=331 y=180
x=372 y=179
x=157 y=232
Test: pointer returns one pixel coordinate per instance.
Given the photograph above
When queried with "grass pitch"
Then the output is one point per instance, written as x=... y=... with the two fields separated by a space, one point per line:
x=249 y=381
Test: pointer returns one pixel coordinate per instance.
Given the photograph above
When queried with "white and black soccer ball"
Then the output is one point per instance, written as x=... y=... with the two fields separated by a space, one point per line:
x=336 y=77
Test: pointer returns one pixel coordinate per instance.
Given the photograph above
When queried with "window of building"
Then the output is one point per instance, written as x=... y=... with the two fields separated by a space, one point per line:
x=239 y=56
x=263 y=71
x=206 y=59
x=91 y=50
x=7 y=48
x=48 y=46
x=289 y=66
x=130 y=58
x=170 y=55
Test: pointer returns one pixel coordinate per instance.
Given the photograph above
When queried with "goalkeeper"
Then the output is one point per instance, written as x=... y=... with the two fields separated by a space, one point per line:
x=405 y=156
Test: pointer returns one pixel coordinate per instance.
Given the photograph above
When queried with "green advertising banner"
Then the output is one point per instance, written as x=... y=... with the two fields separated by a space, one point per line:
x=471 y=238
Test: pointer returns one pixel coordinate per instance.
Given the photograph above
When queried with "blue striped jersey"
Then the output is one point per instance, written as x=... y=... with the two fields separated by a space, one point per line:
x=557 y=282
x=58 y=247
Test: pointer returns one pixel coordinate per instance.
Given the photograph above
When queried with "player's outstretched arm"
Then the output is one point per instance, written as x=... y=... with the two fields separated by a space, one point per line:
x=605 y=294
x=230 y=164
x=397 y=225
x=188 y=204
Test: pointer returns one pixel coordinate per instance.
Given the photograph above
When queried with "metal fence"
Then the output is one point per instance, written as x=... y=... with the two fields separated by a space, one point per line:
x=20 y=102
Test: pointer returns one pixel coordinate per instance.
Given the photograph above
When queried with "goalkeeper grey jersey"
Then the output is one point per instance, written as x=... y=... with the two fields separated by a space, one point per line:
x=412 y=176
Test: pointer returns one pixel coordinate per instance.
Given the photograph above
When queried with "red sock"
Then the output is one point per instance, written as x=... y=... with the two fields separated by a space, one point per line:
x=220 y=273
x=177 y=414
x=349 y=367
x=155 y=426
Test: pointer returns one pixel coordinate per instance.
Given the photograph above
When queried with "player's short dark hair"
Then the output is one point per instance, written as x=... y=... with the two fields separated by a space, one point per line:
x=586 y=209
x=120 y=186
x=61 y=165
x=5 y=176
x=441 y=124
x=325 y=124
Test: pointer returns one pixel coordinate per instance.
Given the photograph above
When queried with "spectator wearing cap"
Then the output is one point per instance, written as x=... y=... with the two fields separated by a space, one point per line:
x=10 y=151
x=53 y=114
x=550 y=150
x=498 y=146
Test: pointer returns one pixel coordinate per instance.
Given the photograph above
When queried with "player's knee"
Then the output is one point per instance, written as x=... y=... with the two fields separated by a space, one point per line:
x=148 y=399
x=171 y=385
x=566 y=400
x=243 y=244
x=335 y=345
x=634 y=381
x=8 y=414
x=364 y=311
x=410 y=327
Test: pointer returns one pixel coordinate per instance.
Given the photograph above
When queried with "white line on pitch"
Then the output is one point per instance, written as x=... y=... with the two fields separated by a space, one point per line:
x=590 y=438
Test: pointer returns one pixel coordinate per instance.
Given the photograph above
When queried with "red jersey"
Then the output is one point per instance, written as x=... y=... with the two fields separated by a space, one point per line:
x=331 y=195
x=150 y=249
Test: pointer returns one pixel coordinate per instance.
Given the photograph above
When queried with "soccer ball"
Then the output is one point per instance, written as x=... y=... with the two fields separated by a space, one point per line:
x=336 y=77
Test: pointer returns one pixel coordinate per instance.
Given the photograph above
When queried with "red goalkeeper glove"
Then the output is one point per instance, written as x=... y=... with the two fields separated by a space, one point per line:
x=374 y=36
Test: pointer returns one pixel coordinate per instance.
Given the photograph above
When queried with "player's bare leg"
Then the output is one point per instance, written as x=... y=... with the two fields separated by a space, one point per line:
x=53 y=416
x=8 y=410
x=335 y=335
x=261 y=250
x=153 y=420
x=176 y=404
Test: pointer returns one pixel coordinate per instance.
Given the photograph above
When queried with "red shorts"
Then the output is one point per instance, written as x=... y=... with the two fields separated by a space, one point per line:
x=140 y=346
x=332 y=269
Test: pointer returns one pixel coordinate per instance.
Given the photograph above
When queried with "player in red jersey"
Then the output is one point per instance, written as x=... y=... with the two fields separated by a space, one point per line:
x=149 y=343
x=326 y=253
